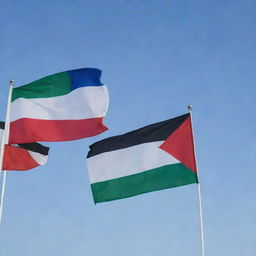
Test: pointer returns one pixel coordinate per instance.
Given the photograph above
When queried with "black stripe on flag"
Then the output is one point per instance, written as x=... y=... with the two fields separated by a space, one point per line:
x=151 y=133
x=2 y=125
x=35 y=147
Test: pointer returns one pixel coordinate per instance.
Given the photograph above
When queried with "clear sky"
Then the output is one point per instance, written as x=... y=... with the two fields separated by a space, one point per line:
x=157 y=57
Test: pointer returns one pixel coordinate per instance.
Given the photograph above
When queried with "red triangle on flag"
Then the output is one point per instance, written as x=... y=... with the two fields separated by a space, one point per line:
x=18 y=159
x=180 y=144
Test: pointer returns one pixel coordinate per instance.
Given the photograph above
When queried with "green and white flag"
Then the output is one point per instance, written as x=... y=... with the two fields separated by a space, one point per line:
x=154 y=157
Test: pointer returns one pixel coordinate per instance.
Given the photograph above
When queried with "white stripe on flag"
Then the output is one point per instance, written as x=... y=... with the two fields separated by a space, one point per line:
x=1 y=135
x=128 y=161
x=82 y=103
x=39 y=158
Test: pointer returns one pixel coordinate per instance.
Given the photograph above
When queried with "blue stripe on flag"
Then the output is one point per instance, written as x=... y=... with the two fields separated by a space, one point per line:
x=84 y=77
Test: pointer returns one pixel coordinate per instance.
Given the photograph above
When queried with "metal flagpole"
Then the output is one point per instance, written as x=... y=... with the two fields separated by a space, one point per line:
x=198 y=190
x=2 y=196
x=5 y=139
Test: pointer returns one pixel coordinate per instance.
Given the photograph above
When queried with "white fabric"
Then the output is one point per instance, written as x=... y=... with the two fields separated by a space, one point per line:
x=128 y=161
x=39 y=158
x=82 y=103
x=1 y=135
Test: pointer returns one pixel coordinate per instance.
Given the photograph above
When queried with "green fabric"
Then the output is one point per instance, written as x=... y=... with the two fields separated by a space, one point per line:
x=168 y=176
x=49 y=86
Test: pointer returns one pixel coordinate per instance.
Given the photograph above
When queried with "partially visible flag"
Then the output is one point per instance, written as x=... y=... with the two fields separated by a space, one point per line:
x=65 y=106
x=155 y=157
x=22 y=157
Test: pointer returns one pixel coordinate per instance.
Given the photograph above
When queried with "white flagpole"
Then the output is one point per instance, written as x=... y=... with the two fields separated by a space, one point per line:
x=198 y=190
x=2 y=196
x=5 y=139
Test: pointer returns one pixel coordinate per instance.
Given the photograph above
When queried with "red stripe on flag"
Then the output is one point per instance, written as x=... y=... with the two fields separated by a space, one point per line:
x=27 y=130
x=17 y=159
x=181 y=145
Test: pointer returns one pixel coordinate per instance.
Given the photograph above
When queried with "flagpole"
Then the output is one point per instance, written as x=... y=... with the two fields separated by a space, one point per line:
x=198 y=190
x=5 y=139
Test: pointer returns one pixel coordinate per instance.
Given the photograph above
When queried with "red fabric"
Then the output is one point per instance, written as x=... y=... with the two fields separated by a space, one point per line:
x=17 y=159
x=181 y=145
x=27 y=130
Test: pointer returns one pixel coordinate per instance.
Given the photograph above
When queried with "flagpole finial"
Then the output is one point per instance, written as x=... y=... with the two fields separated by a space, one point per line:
x=11 y=81
x=190 y=108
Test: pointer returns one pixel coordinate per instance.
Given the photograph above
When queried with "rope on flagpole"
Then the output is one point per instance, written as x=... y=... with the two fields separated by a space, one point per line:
x=5 y=139
x=198 y=190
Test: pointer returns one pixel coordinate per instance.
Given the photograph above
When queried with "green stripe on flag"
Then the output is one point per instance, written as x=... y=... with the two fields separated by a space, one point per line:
x=164 y=177
x=49 y=86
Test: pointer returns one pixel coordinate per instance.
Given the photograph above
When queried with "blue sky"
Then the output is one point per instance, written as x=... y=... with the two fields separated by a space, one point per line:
x=157 y=57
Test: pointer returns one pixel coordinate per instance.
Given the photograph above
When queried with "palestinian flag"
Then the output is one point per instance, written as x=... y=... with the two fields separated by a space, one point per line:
x=22 y=157
x=155 y=157
x=65 y=106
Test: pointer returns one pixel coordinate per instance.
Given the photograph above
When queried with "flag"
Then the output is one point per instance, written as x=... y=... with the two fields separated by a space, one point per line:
x=154 y=157
x=23 y=157
x=65 y=106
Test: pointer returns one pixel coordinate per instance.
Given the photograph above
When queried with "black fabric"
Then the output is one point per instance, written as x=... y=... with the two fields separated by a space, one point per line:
x=35 y=147
x=1 y=125
x=154 y=132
